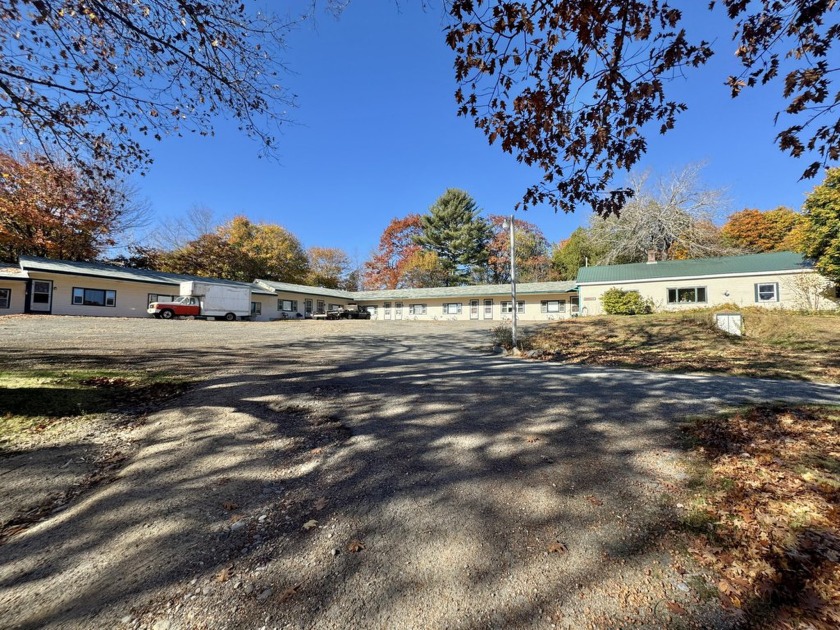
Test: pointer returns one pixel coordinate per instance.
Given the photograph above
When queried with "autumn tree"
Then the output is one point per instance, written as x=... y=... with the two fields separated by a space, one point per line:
x=531 y=255
x=387 y=266
x=270 y=251
x=90 y=80
x=209 y=256
x=756 y=231
x=424 y=269
x=241 y=250
x=573 y=253
x=574 y=87
x=822 y=226
x=55 y=211
x=454 y=230
x=673 y=215
x=329 y=267
x=173 y=231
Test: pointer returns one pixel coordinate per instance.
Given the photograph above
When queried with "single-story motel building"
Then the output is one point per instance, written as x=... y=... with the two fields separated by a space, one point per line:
x=44 y=286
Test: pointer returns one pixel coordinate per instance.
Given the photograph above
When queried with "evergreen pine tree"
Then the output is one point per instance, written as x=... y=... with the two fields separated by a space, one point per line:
x=456 y=232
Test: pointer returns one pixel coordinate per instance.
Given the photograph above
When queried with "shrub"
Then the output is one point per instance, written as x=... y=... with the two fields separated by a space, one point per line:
x=503 y=337
x=619 y=302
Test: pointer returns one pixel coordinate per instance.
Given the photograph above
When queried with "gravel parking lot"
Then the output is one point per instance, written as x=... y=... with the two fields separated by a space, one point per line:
x=360 y=474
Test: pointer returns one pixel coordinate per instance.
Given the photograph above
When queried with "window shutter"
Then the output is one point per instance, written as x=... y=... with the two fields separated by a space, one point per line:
x=755 y=286
x=543 y=306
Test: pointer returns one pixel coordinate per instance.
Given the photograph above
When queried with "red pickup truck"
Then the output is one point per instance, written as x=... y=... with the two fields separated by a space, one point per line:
x=179 y=307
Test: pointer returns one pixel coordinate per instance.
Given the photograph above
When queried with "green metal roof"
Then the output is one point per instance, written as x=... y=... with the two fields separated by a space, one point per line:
x=698 y=267
x=101 y=270
x=13 y=273
x=476 y=290
x=288 y=287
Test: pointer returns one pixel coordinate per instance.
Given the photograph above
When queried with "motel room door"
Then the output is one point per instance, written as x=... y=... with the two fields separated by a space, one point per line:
x=473 y=309
x=40 y=296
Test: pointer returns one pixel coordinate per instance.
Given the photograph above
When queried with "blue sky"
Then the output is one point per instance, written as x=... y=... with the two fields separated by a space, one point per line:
x=376 y=136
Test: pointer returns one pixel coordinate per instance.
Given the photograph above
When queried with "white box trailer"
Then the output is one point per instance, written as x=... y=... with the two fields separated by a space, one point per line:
x=220 y=300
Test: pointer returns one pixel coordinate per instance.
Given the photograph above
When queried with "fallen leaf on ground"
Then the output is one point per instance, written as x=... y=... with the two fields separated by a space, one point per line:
x=355 y=546
x=594 y=500
x=225 y=574
x=557 y=547
x=310 y=524
x=532 y=439
x=676 y=608
x=230 y=505
x=288 y=593
x=320 y=504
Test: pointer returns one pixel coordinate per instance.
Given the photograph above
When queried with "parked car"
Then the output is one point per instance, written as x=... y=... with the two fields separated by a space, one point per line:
x=350 y=312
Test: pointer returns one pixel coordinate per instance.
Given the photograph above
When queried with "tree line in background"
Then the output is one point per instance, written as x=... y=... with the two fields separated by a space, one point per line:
x=58 y=211
x=674 y=218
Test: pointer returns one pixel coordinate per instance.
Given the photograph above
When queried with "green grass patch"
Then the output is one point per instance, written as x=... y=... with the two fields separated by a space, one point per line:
x=34 y=398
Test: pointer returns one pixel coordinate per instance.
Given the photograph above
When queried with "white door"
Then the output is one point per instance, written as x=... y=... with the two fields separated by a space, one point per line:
x=473 y=309
x=40 y=296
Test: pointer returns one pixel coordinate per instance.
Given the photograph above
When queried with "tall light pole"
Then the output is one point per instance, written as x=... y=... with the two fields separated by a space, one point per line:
x=508 y=223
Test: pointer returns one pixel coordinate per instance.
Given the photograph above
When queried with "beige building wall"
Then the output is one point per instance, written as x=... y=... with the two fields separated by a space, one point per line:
x=17 y=296
x=493 y=311
x=297 y=308
x=267 y=307
x=131 y=297
x=794 y=291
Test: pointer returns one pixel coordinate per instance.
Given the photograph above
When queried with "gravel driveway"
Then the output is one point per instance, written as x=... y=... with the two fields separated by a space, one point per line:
x=370 y=475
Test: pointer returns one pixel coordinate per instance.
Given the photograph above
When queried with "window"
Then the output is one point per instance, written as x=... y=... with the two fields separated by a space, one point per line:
x=287 y=305
x=160 y=297
x=307 y=305
x=94 y=297
x=553 y=306
x=5 y=298
x=574 y=303
x=416 y=309
x=687 y=295
x=256 y=308
x=767 y=292
x=507 y=309
x=41 y=292
x=320 y=306
x=452 y=309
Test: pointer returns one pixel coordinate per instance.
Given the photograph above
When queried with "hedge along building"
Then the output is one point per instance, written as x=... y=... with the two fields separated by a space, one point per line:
x=775 y=280
x=535 y=301
x=63 y=287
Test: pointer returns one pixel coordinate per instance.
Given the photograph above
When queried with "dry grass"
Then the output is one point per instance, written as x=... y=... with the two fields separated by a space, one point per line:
x=766 y=513
x=777 y=344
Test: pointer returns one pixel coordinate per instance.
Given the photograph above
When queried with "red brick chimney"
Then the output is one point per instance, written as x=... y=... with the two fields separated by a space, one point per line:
x=651 y=256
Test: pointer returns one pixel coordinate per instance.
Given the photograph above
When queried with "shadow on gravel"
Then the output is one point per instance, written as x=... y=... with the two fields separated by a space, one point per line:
x=485 y=492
